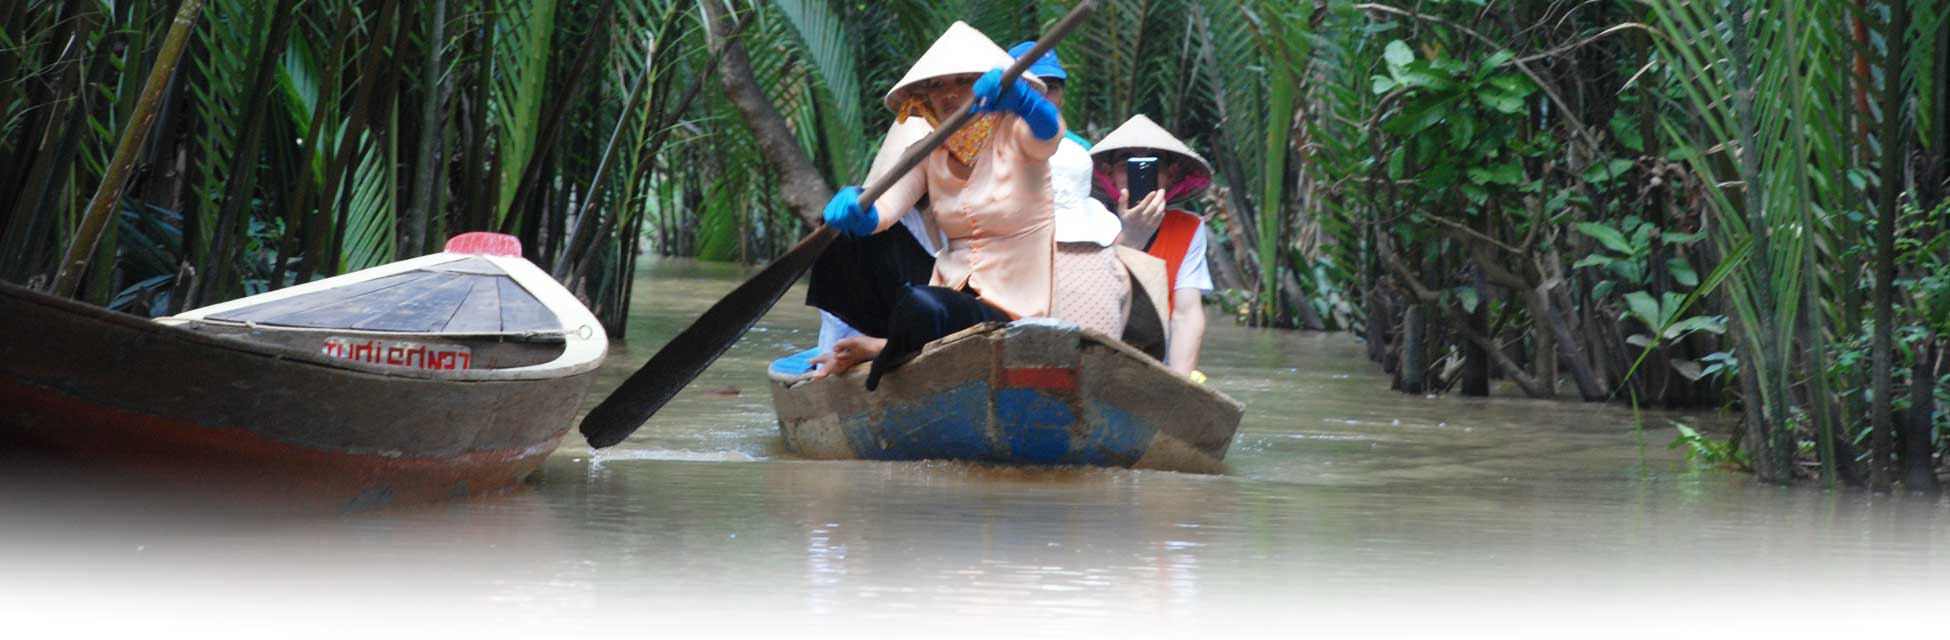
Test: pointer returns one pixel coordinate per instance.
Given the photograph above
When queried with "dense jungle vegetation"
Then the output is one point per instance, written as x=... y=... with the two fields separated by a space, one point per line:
x=1684 y=203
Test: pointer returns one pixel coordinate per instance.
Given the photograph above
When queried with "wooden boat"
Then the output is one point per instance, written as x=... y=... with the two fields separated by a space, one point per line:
x=446 y=375
x=1036 y=391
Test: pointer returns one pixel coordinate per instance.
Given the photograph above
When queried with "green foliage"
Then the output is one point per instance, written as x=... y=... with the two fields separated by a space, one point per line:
x=1700 y=448
x=1457 y=121
x=524 y=33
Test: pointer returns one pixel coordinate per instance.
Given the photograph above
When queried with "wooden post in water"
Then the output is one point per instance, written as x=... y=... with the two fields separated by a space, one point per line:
x=1476 y=359
x=1415 y=366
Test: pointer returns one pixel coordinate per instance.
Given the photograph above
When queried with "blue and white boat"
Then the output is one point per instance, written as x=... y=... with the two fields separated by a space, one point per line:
x=1036 y=392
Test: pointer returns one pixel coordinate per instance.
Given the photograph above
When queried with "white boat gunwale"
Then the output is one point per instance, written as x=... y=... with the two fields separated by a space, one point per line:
x=585 y=343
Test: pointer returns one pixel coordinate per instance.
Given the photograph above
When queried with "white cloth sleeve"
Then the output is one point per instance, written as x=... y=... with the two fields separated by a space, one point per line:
x=1193 y=272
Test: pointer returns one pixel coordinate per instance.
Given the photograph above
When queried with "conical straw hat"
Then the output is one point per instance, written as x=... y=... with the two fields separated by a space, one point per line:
x=899 y=137
x=1141 y=133
x=961 y=51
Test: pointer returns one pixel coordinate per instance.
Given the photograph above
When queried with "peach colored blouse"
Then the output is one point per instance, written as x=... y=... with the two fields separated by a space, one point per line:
x=999 y=221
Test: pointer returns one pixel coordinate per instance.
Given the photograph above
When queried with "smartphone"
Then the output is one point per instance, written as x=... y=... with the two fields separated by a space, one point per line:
x=1142 y=177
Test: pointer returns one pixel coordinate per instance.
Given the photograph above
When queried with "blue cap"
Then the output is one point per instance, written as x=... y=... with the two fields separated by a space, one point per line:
x=1046 y=67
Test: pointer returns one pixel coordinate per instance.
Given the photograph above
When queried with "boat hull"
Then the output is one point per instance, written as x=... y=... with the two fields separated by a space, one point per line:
x=260 y=423
x=1030 y=392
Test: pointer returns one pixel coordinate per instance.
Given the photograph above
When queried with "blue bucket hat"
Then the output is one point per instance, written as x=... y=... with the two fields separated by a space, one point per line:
x=1046 y=67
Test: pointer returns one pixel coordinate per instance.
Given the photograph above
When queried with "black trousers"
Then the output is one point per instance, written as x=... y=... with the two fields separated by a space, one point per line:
x=877 y=284
x=923 y=315
x=858 y=280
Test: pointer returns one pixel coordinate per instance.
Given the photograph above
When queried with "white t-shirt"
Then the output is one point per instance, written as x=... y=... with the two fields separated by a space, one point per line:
x=1193 y=272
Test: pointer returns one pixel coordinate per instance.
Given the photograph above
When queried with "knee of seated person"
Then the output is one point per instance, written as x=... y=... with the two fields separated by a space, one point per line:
x=917 y=302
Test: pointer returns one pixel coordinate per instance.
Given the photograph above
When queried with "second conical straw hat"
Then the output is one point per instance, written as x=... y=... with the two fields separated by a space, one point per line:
x=1141 y=133
x=960 y=51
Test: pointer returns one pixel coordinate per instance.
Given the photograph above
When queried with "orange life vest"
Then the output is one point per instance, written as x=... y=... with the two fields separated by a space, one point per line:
x=1173 y=240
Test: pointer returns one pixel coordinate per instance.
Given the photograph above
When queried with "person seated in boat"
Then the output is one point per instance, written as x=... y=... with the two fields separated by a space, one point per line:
x=858 y=275
x=1099 y=285
x=1151 y=223
x=988 y=189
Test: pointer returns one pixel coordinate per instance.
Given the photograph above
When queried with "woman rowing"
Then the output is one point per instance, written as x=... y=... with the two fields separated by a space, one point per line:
x=988 y=189
x=862 y=276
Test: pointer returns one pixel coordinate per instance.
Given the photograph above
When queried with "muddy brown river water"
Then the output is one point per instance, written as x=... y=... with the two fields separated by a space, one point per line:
x=1345 y=507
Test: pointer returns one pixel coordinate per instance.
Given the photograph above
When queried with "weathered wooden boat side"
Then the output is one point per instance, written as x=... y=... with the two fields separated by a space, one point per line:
x=1029 y=392
x=260 y=412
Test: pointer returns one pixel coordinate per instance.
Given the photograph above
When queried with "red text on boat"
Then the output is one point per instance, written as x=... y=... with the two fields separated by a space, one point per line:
x=439 y=357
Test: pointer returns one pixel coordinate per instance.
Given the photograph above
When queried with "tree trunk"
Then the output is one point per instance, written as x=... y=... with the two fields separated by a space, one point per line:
x=1919 y=470
x=1895 y=141
x=1570 y=351
x=431 y=131
x=800 y=184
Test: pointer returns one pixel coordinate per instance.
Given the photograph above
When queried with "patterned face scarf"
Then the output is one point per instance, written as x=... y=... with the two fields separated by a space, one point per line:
x=966 y=141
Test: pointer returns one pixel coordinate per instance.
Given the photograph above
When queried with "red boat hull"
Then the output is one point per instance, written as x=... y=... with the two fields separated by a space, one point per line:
x=141 y=400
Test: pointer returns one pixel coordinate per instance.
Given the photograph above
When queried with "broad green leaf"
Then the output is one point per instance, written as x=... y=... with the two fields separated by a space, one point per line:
x=1602 y=289
x=1462 y=129
x=1709 y=324
x=1643 y=308
x=1507 y=173
x=1607 y=236
x=1513 y=84
x=1689 y=368
x=1501 y=101
x=1682 y=272
x=1626 y=131
x=1603 y=172
x=1497 y=59
x=1397 y=53
x=1467 y=296
x=1424 y=76
x=1420 y=116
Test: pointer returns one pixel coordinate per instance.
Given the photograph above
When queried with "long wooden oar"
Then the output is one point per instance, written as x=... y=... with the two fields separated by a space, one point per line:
x=700 y=344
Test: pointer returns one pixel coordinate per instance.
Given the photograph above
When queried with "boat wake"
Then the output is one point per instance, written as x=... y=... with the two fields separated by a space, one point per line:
x=681 y=455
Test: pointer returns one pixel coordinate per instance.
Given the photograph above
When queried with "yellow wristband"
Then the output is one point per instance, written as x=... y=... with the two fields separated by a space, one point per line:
x=1198 y=376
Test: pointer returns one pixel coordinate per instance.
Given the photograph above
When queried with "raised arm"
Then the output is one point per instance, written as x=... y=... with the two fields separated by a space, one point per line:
x=1040 y=126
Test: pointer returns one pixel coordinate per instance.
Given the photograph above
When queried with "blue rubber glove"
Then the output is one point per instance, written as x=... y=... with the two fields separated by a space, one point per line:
x=843 y=212
x=1021 y=99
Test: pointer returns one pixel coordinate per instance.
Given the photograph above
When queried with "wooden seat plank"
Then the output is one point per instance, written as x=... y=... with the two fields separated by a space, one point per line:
x=290 y=310
x=481 y=311
x=521 y=312
x=416 y=310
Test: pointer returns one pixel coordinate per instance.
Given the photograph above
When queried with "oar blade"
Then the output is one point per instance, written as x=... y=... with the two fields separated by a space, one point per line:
x=688 y=354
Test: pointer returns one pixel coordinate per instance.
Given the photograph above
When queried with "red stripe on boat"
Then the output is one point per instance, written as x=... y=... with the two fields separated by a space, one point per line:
x=485 y=243
x=1040 y=378
x=244 y=466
